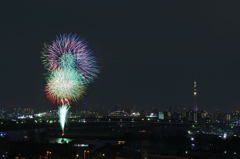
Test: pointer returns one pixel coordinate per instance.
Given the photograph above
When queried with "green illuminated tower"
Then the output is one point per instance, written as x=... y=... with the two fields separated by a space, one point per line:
x=195 y=106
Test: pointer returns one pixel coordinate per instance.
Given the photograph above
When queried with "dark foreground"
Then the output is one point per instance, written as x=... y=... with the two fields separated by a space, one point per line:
x=115 y=140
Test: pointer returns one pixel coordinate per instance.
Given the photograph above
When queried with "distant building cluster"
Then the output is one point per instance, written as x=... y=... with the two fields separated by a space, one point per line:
x=16 y=113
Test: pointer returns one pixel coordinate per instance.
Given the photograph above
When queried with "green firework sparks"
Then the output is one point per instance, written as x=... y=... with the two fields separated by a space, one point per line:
x=64 y=85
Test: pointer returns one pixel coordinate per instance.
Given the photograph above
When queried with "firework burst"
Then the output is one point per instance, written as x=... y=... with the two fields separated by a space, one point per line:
x=71 y=67
x=70 y=44
x=64 y=85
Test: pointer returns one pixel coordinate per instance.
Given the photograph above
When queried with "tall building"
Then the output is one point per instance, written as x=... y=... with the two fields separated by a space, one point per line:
x=195 y=106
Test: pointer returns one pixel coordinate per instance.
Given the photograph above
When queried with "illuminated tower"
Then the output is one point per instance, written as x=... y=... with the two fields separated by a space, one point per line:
x=195 y=107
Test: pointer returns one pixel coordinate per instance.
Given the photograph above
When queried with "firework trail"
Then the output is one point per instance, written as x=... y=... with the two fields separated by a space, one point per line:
x=62 y=114
x=70 y=68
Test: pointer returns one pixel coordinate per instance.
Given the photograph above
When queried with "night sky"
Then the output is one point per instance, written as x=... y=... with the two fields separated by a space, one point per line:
x=149 y=52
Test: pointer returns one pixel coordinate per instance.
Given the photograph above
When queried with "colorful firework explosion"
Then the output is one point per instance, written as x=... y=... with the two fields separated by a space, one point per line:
x=64 y=85
x=83 y=60
x=71 y=67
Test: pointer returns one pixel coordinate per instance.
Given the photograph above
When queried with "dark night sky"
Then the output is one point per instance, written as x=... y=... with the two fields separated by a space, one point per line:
x=149 y=51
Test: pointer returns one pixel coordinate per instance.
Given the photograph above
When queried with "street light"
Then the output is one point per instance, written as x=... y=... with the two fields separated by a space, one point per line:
x=48 y=153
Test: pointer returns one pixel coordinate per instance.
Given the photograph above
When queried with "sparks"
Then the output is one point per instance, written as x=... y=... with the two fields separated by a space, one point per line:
x=70 y=68
x=72 y=45
x=64 y=84
x=62 y=114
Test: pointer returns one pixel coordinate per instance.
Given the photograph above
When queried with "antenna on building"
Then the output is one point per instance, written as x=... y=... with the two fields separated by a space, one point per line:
x=195 y=106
